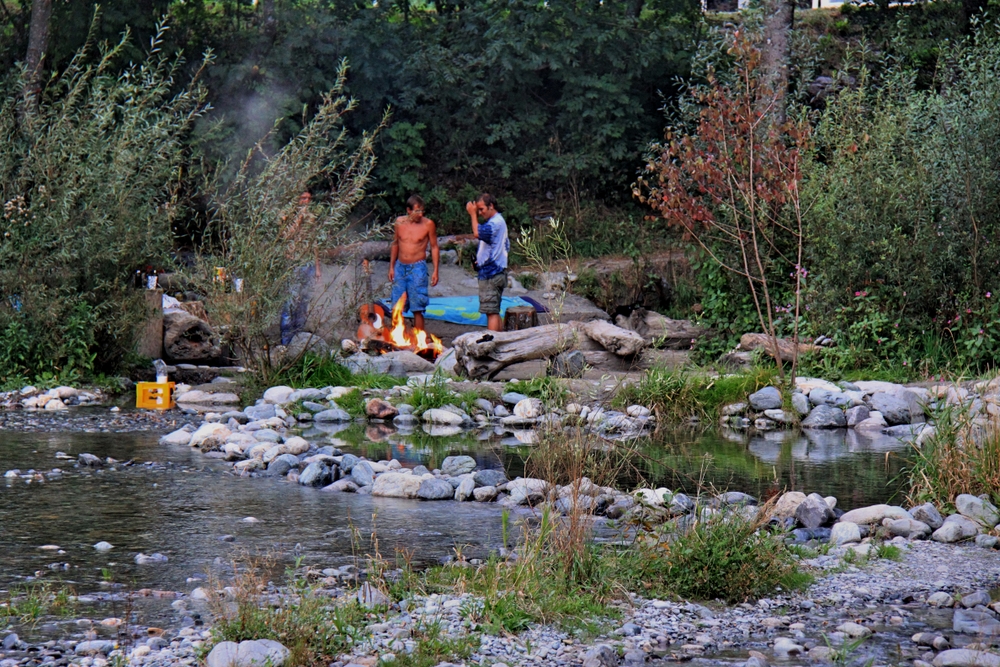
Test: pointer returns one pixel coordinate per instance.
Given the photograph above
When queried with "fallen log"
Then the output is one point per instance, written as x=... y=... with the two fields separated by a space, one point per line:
x=662 y=332
x=484 y=354
x=623 y=342
x=786 y=348
x=187 y=338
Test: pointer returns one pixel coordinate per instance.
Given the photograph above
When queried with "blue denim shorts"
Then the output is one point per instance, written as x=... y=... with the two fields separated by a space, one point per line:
x=412 y=279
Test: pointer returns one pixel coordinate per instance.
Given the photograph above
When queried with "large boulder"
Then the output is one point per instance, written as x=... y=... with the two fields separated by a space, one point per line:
x=874 y=514
x=458 y=465
x=955 y=529
x=825 y=416
x=278 y=395
x=928 y=514
x=316 y=474
x=977 y=509
x=813 y=512
x=435 y=489
x=893 y=409
x=768 y=398
x=845 y=532
x=189 y=339
x=397 y=485
x=787 y=504
x=362 y=473
x=980 y=623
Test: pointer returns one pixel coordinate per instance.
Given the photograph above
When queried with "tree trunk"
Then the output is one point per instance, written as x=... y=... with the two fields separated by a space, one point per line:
x=661 y=332
x=38 y=45
x=485 y=354
x=776 y=51
x=623 y=342
x=270 y=23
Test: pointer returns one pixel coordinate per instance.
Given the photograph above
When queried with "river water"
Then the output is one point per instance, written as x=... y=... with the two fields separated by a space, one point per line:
x=177 y=502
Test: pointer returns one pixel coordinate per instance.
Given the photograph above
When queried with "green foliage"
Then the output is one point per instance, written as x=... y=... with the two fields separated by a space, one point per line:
x=433 y=647
x=264 y=231
x=31 y=602
x=677 y=394
x=89 y=181
x=726 y=555
x=434 y=394
x=907 y=189
x=549 y=390
x=322 y=370
x=960 y=456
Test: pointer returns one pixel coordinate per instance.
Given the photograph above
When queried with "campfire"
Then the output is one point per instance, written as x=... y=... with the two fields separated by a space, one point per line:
x=398 y=335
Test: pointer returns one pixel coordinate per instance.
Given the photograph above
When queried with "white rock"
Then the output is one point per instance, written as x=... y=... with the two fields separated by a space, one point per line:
x=396 y=485
x=277 y=395
x=528 y=408
x=854 y=630
x=104 y=546
x=806 y=384
x=784 y=647
x=217 y=431
x=181 y=436
x=437 y=416
x=845 y=532
x=637 y=411
x=55 y=404
x=874 y=514
x=963 y=657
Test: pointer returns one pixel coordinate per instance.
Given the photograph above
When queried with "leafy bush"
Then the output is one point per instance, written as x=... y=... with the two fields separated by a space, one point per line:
x=727 y=555
x=89 y=182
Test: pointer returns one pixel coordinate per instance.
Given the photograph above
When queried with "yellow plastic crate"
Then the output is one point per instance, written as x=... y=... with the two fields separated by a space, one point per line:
x=154 y=395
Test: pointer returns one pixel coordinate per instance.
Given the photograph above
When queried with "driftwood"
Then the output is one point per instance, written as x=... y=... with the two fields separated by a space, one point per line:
x=623 y=342
x=186 y=338
x=662 y=332
x=786 y=348
x=484 y=354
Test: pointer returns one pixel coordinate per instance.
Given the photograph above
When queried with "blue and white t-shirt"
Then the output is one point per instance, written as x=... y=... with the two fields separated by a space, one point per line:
x=493 y=247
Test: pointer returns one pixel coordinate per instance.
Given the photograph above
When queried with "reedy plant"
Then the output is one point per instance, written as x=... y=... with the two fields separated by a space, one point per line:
x=263 y=234
x=89 y=182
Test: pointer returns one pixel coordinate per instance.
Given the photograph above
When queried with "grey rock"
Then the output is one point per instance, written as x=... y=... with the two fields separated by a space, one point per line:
x=813 y=512
x=484 y=405
x=251 y=653
x=102 y=646
x=239 y=416
x=893 y=409
x=601 y=655
x=825 y=416
x=344 y=485
x=501 y=411
x=489 y=477
x=362 y=474
x=733 y=409
x=928 y=514
x=347 y=463
x=11 y=642
x=458 y=465
x=405 y=420
x=512 y=398
x=306 y=395
x=940 y=599
x=464 y=490
x=976 y=599
x=260 y=412
x=332 y=415
x=955 y=529
x=856 y=415
x=910 y=528
x=315 y=474
x=800 y=403
x=569 y=364
x=768 y=398
x=280 y=466
x=845 y=532
x=975 y=622
x=963 y=657
x=314 y=407
x=987 y=541
x=370 y=597
x=838 y=399
x=618 y=508
x=267 y=435
x=362 y=363
x=435 y=489
x=737 y=498
x=90 y=460
x=977 y=509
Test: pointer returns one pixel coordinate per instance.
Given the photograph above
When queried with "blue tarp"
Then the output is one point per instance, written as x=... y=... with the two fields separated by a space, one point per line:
x=464 y=309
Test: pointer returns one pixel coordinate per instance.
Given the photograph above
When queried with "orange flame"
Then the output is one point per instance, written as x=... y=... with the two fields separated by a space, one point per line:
x=408 y=338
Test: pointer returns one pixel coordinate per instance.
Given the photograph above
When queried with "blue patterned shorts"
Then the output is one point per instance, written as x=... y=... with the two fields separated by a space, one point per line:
x=412 y=279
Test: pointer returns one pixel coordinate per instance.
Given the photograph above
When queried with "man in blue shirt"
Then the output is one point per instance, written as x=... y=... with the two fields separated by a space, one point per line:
x=491 y=258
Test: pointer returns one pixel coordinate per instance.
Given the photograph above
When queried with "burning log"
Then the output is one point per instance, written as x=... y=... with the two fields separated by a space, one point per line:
x=483 y=355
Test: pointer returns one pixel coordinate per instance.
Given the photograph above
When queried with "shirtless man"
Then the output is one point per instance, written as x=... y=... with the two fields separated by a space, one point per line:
x=408 y=258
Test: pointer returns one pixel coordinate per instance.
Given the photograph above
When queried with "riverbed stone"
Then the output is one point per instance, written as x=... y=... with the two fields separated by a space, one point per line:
x=845 y=532
x=733 y=409
x=529 y=408
x=435 y=489
x=209 y=433
x=377 y=408
x=362 y=473
x=963 y=657
x=251 y=653
x=892 y=408
x=977 y=509
x=280 y=466
x=987 y=541
x=601 y=655
x=397 y=485
x=439 y=416
x=779 y=416
x=343 y=485
x=315 y=474
x=975 y=599
x=332 y=415
x=489 y=477
x=768 y=398
x=874 y=514
x=527 y=490
x=458 y=465
x=484 y=494
x=928 y=514
x=910 y=528
x=370 y=597
x=266 y=435
x=787 y=504
x=181 y=436
x=813 y=512
x=874 y=423
x=465 y=488
x=277 y=395
x=854 y=630
x=982 y=623
x=940 y=599
x=856 y=415
x=955 y=529
x=94 y=646
x=800 y=403
x=825 y=416
x=405 y=421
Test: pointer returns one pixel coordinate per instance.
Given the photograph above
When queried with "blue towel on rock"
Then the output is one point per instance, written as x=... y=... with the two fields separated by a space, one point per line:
x=464 y=309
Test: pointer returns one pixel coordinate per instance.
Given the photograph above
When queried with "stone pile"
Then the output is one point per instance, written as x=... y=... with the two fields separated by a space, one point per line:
x=57 y=398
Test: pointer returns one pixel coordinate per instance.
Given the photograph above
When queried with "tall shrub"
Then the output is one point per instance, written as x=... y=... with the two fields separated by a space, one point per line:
x=88 y=183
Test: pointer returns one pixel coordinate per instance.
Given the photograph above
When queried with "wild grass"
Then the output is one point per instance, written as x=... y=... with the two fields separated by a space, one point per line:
x=960 y=457
x=31 y=602
x=316 y=370
x=731 y=555
x=549 y=390
x=678 y=395
x=314 y=628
